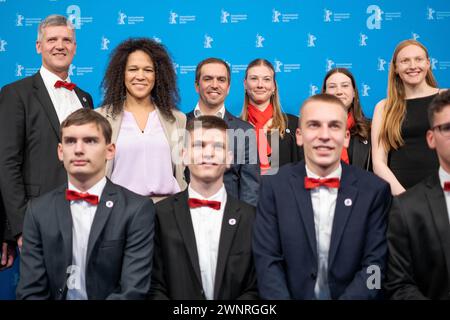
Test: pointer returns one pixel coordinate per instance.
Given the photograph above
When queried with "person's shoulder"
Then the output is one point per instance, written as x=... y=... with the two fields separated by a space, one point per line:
x=15 y=85
x=166 y=204
x=40 y=205
x=236 y=122
x=367 y=180
x=248 y=210
x=131 y=197
x=379 y=107
x=179 y=115
x=292 y=121
x=419 y=190
x=284 y=173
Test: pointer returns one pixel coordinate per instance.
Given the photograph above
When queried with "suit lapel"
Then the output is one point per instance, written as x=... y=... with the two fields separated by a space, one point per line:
x=64 y=216
x=303 y=199
x=83 y=98
x=437 y=204
x=184 y=222
x=47 y=104
x=101 y=216
x=344 y=203
x=232 y=211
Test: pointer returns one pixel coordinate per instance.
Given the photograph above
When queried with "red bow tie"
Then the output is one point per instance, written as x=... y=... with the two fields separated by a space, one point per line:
x=195 y=203
x=68 y=85
x=74 y=195
x=311 y=183
x=447 y=186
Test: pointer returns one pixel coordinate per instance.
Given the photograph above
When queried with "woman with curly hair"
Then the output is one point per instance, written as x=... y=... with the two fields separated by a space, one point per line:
x=399 y=149
x=341 y=83
x=140 y=102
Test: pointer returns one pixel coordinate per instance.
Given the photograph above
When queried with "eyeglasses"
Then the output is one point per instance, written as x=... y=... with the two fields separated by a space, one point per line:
x=444 y=129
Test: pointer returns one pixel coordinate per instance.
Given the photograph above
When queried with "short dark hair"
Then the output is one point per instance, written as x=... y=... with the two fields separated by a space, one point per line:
x=84 y=116
x=206 y=122
x=208 y=61
x=439 y=102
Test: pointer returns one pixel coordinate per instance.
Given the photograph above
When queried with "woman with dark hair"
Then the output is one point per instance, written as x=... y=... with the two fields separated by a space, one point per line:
x=399 y=149
x=341 y=83
x=275 y=129
x=140 y=102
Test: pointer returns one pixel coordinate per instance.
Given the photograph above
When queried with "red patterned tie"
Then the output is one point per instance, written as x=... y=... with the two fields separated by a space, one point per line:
x=196 y=203
x=447 y=186
x=311 y=183
x=74 y=195
x=68 y=85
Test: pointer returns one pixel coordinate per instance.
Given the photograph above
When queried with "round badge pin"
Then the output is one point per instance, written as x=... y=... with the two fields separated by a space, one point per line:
x=287 y=130
x=348 y=202
x=109 y=204
x=232 y=222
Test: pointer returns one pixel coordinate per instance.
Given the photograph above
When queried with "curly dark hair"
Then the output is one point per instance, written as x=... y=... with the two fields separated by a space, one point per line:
x=165 y=92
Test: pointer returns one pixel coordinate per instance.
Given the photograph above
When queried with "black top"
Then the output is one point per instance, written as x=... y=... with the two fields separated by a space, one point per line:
x=414 y=161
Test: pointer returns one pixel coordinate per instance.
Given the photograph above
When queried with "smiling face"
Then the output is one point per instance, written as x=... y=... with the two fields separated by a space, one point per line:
x=84 y=152
x=213 y=86
x=139 y=75
x=323 y=134
x=259 y=85
x=412 y=65
x=57 y=48
x=439 y=138
x=207 y=155
x=339 y=85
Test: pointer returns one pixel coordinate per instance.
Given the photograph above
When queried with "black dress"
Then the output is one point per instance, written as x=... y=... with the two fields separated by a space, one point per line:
x=414 y=161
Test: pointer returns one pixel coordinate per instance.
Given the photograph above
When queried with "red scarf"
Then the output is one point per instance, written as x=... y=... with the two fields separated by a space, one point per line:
x=350 y=124
x=259 y=119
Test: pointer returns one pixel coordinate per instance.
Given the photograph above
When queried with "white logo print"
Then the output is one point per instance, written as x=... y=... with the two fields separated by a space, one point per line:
x=415 y=36
x=374 y=20
x=430 y=13
x=259 y=41
x=105 y=43
x=121 y=18
x=71 y=68
x=327 y=15
x=365 y=90
x=381 y=63
x=74 y=15
x=3 y=43
x=19 y=20
x=313 y=89
x=224 y=16
x=207 y=42
x=173 y=17
x=311 y=40
x=19 y=69
x=278 y=65
x=329 y=64
x=363 y=40
x=433 y=63
x=276 y=16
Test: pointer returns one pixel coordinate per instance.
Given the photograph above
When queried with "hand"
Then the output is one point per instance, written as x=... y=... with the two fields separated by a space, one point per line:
x=19 y=243
x=8 y=255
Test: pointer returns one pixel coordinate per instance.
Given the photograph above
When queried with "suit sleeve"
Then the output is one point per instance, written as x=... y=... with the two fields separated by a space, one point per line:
x=375 y=250
x=250 y=173
x=138 y=256
x=400 y=282
x=12 y=140
x=159 y=287
x=269 y=261
x=33 y=282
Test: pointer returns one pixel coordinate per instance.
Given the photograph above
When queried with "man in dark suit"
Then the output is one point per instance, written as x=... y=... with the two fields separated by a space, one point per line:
x=320 y=224
x=419 y=228
x=212 y=83
x=93 y=239
x=31 y=111
x=203 y=234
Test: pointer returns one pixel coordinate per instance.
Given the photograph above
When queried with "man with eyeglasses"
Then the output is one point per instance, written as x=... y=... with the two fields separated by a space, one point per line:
x=419 y=228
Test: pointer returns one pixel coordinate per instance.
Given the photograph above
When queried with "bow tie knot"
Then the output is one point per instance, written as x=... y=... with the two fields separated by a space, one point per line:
x=311 y=183
x=64 y=84
x=447 y=186
x=75 y=195
x=196 y=203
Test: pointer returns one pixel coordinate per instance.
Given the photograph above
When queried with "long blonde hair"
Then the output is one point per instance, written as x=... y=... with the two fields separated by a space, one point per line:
x=279 y=120
x=395 y=106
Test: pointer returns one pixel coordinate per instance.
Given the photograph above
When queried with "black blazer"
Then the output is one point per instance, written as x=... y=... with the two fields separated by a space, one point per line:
x=29 y=135
x=176 y=271
x=419 y=244
x=119 y=254
x=242 y=178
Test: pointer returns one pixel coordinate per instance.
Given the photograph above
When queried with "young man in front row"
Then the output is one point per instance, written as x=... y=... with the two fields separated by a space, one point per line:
x=203 y=235
x=320 y=228
x=419 y=229
x=93 y=240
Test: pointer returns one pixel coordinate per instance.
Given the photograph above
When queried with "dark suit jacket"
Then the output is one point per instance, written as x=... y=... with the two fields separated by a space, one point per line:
x=176 y=272
x=284 y=241
x=119 y=254
x=242 y=179
x=29 y=135
x=419 y=244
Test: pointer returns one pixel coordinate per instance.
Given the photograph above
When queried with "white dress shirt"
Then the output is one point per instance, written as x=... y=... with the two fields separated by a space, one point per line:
x=83 y=214
x=220 y=113
x=207 y=224
x=324 y=204
x=65 y=101
x=444 y=176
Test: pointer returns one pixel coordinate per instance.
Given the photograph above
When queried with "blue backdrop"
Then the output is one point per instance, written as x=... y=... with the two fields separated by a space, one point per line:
x=302 y=39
